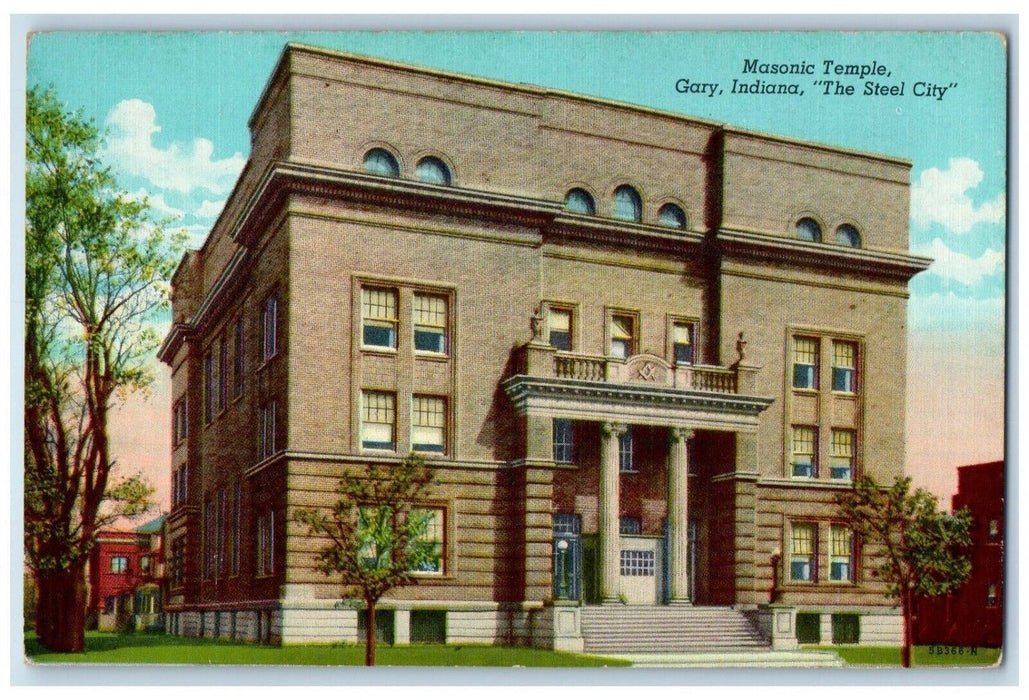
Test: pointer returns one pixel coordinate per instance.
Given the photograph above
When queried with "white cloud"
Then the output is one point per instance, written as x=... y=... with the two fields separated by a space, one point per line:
x=181 y=166
x=209 y=209
x=960 y=267
x=157 y=203
x=940 y=196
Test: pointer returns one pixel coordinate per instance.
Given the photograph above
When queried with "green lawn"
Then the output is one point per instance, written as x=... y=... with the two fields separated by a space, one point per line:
x=166 y=649
x=920 y=656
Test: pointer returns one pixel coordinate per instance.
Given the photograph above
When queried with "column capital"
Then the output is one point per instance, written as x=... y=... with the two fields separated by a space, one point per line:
x=607 y=429
x=677 y=433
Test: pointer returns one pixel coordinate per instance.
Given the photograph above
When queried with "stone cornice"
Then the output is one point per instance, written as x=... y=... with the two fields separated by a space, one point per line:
x=634 y=403
x=633 y=236
x=745 y=244
x=281 y=178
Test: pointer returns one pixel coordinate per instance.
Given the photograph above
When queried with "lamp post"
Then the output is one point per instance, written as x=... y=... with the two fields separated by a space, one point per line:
x=562 y=552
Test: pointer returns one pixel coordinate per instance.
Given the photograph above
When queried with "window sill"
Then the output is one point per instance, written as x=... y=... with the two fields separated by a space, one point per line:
x=431 y=356
x=812 y=390
x=267 y=361
x=628 y=471
x=379 y=350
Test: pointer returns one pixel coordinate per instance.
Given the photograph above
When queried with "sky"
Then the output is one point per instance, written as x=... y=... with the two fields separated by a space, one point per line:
x=175 y=108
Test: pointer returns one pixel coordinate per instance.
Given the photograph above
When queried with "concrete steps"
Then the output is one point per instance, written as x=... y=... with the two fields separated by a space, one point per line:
x=630 y=629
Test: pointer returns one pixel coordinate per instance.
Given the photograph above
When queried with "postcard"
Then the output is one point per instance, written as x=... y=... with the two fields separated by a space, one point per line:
x=543 y=349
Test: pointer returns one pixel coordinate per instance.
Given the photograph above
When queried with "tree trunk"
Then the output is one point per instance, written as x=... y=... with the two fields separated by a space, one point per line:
x=61 y=610
x=905 y=612
x=369 y=634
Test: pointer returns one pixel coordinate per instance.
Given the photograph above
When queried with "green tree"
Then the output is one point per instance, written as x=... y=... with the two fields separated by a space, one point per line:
x=96 y=266
x=922 y=552
x=376 y=534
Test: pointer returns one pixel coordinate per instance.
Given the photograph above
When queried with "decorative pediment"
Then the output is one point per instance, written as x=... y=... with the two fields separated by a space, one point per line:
x=646 y=369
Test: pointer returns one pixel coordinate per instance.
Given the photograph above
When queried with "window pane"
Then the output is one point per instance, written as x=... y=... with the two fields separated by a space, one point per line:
x=625 y=451
x=848 y=235
x=434 y=171
x=682 y=339
x=428 y=424
x=430 y=318
x=805 y=363
x=379 y=161
x=426 y=549
x=844 y=363
x=580 y=202
x=379 y=317
x=628 y=205
x=809 y=230
x=562 y=440
x=559 y=325
x=622 y=336
x=672 y=215
x=378 y=420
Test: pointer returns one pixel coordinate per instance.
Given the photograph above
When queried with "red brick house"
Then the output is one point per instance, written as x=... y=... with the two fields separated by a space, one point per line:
x=974 y=614
x=125 y=577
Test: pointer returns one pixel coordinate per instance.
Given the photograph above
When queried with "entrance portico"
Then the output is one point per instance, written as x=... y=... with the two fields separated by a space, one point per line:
x=644 y=391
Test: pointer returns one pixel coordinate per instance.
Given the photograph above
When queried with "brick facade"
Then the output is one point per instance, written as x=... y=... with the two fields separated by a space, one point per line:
x=308 y=225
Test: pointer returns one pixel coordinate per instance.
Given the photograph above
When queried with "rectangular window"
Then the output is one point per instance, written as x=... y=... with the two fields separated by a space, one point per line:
x=991 y=595
x=563 y=440
x=802 y=552
x=846 y=628
x=179 y=485
x=993 y=531
x=682 y=343
x=266 y=543
x=559 y=328
x=841 y=554
x=428 y=424
x=805 y=450
x=637 y=562
x=181 y=420
x=209 y=385
x=237 y=359
x=219 y=534
x=270 y=327
x=378 y=317
x=237 y=511
x=430 y=323
x=378 y=420
x=625 y=451
x=630 y=526
x=268 y=412
x=223 y=373
x=844 y=366
x=178 y=558
x=426 y=548
x=623 y=336
x=119 y=565
x=805 y=363
x=842 y=464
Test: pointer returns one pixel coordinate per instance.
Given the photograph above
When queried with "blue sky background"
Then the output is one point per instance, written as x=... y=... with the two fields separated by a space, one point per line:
x=176 y=107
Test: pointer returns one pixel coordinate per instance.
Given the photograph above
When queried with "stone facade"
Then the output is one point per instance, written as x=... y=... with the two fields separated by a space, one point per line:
x=615 y=393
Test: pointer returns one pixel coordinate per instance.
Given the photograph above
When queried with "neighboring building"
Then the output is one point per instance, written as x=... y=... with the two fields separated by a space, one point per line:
x=642 y=352
x=125 y=576
x=974 y=614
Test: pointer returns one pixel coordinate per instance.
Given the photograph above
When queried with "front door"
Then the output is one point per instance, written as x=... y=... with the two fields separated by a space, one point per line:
x=640 y=569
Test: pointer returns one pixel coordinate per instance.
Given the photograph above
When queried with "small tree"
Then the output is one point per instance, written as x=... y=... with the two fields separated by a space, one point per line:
x=375 y=534
x=923 y=550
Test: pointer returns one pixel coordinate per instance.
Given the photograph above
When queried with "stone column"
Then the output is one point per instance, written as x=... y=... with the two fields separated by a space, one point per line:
x=678 y=515
x=607 y=518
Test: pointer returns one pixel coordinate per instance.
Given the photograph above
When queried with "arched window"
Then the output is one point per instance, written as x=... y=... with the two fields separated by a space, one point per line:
x=848 y=235
x=628 y=205
x=672 y=215
x=809 y=230
x=580 y=201
x=433 y=170
x=379 y=161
